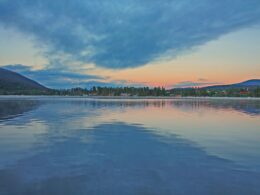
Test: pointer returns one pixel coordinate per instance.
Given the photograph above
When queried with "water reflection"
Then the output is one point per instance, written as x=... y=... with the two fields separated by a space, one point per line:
x=18 y=105
x=78 y=146
x=125 y=159
x=12 y=108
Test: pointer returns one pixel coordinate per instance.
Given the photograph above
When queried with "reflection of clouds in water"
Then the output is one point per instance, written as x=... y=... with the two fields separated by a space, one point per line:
x=222 y=132
x=125 y=158
x=215 y=125
x=206 y=122
x=17 y=141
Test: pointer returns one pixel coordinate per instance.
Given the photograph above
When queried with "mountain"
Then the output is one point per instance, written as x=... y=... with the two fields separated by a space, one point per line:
x=253 y=83
x=11 y=81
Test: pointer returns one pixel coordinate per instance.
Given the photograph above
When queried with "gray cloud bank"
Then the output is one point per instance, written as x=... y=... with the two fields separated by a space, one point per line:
x=125 y=33
x=188 y=84
x=59 y=79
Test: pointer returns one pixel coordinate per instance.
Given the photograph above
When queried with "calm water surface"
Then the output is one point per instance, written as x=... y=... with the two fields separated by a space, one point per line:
x=72 y=146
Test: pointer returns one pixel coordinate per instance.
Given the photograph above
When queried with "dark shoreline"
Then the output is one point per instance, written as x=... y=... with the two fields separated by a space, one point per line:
x=129 y=97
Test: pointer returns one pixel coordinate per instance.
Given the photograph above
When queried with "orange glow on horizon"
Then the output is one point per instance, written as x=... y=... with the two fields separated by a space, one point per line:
x=167 y=74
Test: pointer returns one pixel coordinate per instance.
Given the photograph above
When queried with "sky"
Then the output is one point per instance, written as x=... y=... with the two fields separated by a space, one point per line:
x=170 y=43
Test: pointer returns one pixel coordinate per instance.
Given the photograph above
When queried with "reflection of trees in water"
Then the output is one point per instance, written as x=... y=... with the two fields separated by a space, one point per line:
x=13 y=108
x=112 y=103
x=251 y=107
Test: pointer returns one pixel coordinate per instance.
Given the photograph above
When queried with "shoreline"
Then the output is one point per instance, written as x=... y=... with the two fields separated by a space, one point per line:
x=128 y=97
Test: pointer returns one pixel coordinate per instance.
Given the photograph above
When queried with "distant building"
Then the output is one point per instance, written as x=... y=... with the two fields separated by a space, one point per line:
x=175 y=95
x=124 y=94
x=243 y=92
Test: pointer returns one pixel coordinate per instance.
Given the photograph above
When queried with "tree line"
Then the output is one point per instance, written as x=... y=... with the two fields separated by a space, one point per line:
x=206 y=92
x=113 y=91
x=139 y=91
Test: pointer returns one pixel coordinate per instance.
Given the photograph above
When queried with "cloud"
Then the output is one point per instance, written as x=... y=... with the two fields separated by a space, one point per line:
x=125 y=33
x=58 y=79
x=55 y=78
x=188 y=84
x=202 y=80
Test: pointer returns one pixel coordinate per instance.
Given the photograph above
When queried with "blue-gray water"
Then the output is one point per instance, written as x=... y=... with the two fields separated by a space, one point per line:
x=71 y=146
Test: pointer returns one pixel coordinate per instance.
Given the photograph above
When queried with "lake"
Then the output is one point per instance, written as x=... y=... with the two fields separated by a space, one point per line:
x=71 y=146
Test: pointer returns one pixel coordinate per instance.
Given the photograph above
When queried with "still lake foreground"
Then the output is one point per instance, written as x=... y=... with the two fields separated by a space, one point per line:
x=72 y=146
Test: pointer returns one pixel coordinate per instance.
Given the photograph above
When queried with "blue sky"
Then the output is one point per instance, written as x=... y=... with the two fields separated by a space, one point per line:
x=94 y=39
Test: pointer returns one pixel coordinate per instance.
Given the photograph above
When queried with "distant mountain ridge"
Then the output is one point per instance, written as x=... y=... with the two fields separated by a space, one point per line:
x=249 y=83
x=10 y=80
x=12 y=83
x=252 y=82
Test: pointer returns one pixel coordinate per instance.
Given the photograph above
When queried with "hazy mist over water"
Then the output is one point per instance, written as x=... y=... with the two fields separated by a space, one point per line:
x=144 y=146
